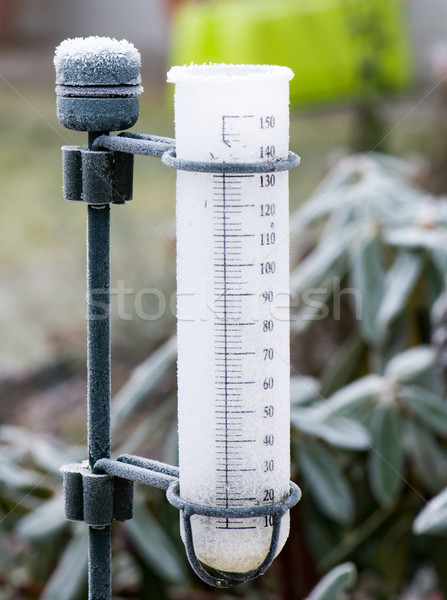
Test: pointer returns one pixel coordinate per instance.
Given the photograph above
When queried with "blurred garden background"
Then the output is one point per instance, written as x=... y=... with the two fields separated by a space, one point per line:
x=368 y=229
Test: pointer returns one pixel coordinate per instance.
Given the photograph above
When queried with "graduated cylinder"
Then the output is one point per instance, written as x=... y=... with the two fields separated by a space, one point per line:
x=233 y=305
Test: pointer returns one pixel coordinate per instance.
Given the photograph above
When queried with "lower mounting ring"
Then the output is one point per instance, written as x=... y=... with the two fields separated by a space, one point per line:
x=188 y=509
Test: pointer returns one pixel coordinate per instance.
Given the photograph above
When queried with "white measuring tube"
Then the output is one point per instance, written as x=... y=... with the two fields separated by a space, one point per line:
x=233 y=306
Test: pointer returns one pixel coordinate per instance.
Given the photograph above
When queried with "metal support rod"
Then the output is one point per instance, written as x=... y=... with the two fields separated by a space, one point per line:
x=98 y=332
x=98 y=381
x=99 y=564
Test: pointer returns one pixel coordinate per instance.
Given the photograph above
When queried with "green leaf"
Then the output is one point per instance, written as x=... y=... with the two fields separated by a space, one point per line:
x=154 y=546
x=143 y=381
x=392 y=548
x=400 y=281
x=428 y=459
x=411 y=364
x=327 y=258
x=346 y=433
x=412 y=237
x=396 y=343
x=430 y=408
x=386 y=458
x=70 y=575
x=338 y=221
x=343 y=364
x=434 y=283
x=170 y=446
x=13 y=435
x=364 y=391
x=439 y=255
x=338 y=431
x=149 y=427
x=16 y=504
x=326 y=482
x=329 y=196
x=314 y=304
x=390 y=165
x=368 y=277
x=340 y=579
x=44 y=522
x=14 y=477
x=388 y=207
x=51 y=454
x=304 y=389
x=433 y=518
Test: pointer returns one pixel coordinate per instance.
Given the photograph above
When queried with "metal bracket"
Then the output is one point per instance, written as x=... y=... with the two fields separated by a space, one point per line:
x=189 y=509
x=163 y=476
x=135 y=143
x=105 y=494
x=152 y=145
x=96 y=177
x=96 y=499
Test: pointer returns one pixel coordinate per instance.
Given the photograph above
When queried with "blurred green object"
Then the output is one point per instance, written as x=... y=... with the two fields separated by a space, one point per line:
x=338 y=49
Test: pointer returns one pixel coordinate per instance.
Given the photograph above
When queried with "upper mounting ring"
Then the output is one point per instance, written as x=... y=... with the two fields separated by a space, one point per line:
x=170 y=159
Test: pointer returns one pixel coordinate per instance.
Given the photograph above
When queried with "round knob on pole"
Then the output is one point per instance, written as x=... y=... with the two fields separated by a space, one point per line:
x=97 y=84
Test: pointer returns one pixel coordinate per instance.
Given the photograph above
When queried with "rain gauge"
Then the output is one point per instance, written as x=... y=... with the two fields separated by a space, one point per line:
x=231 y=154
x=233 y=305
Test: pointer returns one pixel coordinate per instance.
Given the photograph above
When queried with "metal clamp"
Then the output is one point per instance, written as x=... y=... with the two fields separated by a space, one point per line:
x=96 y=177
x=163 y=476
x=135 y=143
x=152 y=145
x=96 y=499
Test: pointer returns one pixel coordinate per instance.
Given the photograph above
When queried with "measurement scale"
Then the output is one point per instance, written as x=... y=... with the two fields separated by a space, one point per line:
x=233 y=306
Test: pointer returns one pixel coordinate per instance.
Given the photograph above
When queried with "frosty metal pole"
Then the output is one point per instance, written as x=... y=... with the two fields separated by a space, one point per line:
x=98 y=330
x=98 y=381
x=97 y=81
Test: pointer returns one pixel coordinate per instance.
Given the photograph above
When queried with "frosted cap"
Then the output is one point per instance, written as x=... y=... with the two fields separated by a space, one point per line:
x=214 y=72
x=96 y=61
